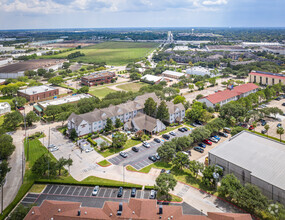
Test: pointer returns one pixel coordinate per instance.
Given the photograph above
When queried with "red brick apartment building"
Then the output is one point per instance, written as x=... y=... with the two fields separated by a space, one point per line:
x=36 y=93
x=135 y=209
x=95 y=79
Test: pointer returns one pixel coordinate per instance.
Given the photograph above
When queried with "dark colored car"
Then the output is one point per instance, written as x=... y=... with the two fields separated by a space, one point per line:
x=207 y=142
x=202 y=145
x=198 y=122
x=162 y=171
x=166 y=136
x=199 y=149
x=133 y=192
x=120 y=192
x=283 y=104
x=223 y=134
x=278 y=98
x=263 y=122
x=152 y=158
x=185 y=129
x=21 y=108
x=279 y=125
x=181 y=129
x=135 y=149
x=264 y=131
x=156 y=140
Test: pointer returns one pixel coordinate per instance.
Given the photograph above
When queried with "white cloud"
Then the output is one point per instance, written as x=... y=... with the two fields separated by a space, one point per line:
x=64 y=6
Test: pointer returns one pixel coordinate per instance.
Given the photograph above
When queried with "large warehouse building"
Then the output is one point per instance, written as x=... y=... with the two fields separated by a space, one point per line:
x=254 y=159
x=18 y=69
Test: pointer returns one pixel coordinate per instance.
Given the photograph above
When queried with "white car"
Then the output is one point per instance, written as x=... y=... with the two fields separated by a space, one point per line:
x=95 y=191
x=51 y=146
x=145 y=144
x=54 y=149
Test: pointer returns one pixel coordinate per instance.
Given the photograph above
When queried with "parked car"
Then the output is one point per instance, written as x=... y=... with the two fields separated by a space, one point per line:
x=213 y=139
x=168 y=171
x=152 y=194
x=51 y=146
x=156 y=140
x=251 y=127
x=202 y=145
x=95 y=191
x=217 y=137
x=227 y=130
x=135 y=149
x=133 y=192
x=279 y=125
x=194 y=124
x=152 y=158
x=283 y=104
x=207 y=142
x=120 y=192
x=263 y=122
x=181 y=130
x=147 y=145
x=278 y=98
x=264 y=131
x=32 y=103
x=172 y=133
x=21 y=108
x=157 y=156
x=166 y=136
x=54 y=149
x=162 y=171
x=198 y=122
x=199 y=149
x=223 y=134
x=123 y=154
x=185 y=129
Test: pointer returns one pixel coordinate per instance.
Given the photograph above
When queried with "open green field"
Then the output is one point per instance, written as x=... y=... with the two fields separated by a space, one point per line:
x=133 y=87
x=113 y=53
x=100 y=92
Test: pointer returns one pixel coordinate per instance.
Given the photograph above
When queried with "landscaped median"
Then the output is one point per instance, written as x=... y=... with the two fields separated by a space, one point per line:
x=104 y=163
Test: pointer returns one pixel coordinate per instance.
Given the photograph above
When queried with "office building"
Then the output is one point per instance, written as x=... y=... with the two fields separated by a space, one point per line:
x=36 y=93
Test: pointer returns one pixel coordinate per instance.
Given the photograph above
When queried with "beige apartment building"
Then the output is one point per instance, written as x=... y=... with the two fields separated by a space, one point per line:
x=264 y=78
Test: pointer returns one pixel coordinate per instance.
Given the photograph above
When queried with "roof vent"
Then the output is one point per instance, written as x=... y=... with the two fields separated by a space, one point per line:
x=78 y=213
x=59 y=210
x=33 y=212
x=133 y=212
x=160 y=210
x=171 y=217
x=111 y=214
x=120 y=206
x=85 y=213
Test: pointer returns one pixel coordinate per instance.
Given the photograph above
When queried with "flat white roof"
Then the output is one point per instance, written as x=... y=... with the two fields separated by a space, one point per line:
x=152 y=78
x=37 y=89
x=262 y=156
x=4 y=105
x=64 y=100
x=173 y=73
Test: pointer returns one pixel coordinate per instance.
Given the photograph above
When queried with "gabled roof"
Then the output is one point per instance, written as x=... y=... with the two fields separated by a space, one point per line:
x=227 y=94
x=145 y=122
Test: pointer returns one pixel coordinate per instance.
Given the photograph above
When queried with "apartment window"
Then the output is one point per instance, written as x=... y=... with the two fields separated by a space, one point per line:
x=266 y=80
x=260 y=80
x=279 y=80
x=272 y=81
x=243 y=176
x=254 y=79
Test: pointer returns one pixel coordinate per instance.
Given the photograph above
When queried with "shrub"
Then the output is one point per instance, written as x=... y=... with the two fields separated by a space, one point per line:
x=91 y=141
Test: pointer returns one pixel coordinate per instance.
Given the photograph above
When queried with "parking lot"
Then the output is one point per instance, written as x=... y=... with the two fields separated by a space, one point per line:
x=84 y=195
x=140 y=159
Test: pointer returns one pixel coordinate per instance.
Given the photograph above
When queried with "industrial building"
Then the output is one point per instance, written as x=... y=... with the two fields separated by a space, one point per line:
x=36 y=93
x=97 y=78
x=18 y=69
x=41 y=106
x=254 y=159
x=231 y=94
x=231 y=48
x=197 y=70
x=265 y=78
x=172 y=74
x=5 y=60
x=152 y=78
x=4 y=108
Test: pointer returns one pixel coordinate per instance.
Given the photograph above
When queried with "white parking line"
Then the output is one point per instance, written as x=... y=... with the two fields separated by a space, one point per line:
x=62 y=190
x=86 y=191
x=68 y=191
x=80 y=190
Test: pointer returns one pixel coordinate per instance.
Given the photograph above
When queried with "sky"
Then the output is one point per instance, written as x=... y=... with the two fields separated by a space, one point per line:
x=44 y=14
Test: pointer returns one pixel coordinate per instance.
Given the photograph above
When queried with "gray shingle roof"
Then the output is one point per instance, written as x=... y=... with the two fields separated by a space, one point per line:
x=263 y=157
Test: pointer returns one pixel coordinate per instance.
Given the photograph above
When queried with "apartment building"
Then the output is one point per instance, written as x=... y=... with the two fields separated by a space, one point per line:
x=97 y=119
x=97 y=78
x=265 y=78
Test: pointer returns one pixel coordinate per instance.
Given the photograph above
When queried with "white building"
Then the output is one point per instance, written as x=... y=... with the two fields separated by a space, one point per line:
x=275 y=49
x=96 y=120
x=4 y=108
x=180 y=48
x=197 y=70
x=228 y=95
x=4 y=61
x=259 y=44
x=172 y=74
x=152 y=78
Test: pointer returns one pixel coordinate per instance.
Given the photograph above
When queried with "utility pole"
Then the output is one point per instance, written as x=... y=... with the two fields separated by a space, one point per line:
x=2 y=195
x=48 y=148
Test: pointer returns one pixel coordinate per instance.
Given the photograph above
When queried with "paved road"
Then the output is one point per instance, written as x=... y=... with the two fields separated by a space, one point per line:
x=140 y=159
x=84 y=195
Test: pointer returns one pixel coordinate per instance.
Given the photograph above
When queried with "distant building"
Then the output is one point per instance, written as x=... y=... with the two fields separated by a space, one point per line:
x=152 y=78
x=36 y=93
x=2 y=81
x=223 y=97
x=253 y=159
x=197 y=70
x=41 y=106
x=172 y=74
x=275 y=49
x=231 y=48
x=265 y=78
x=4 y=61
x=97 y=78
x=18 y=69
x=259 y=44
x=180 y=48
x=96 y=120
x=4 y=108
x=145 y=209
x=145 y=123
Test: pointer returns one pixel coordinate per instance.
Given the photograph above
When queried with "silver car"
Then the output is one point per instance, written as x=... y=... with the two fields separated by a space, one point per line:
x=95 y=191
x=54 y=149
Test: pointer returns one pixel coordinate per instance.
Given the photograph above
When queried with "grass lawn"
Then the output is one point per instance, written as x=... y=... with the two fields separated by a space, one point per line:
x=188 y=124
x=1 y=120
x=113 y=53
x=134 y=87
x=104 y=163
x=175 y=198
x=111 y=151
x=100 y=92
x=168 y=129
x=37 y=188
x=157 y=165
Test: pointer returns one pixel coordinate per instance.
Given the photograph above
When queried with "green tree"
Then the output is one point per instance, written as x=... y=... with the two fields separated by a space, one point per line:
x=179 y=99
x=195 y=112
x=109 y=125
x=44 y=166
x=165 y=183
x=41 y=72
x=196 y=167
x=19 y=101
x=20 y=212
x=191 y=86
x=73 y=134
x=180 y=160
x=206 y=116
x=12 y=119
x=200 y=85
x=212 y=81
x=84 y=89
x=280 y=131
x=53 y=110
x=150 y=107
x=63 y=162
x=237 y=130
x=4 y=169
x=199 y=134
x=230 y=187
x=208 y=175
x=162 y=112
x=119 y=140
x=118 y=123
x=135 y=76
x=63 y=116
x=57 y=80
x=66 y=65
x=32 y=117
x=266 y=127
x=167 y=151
x=232 y=121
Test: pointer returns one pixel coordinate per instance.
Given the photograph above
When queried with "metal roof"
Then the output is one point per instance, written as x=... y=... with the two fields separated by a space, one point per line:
x=262 y=156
